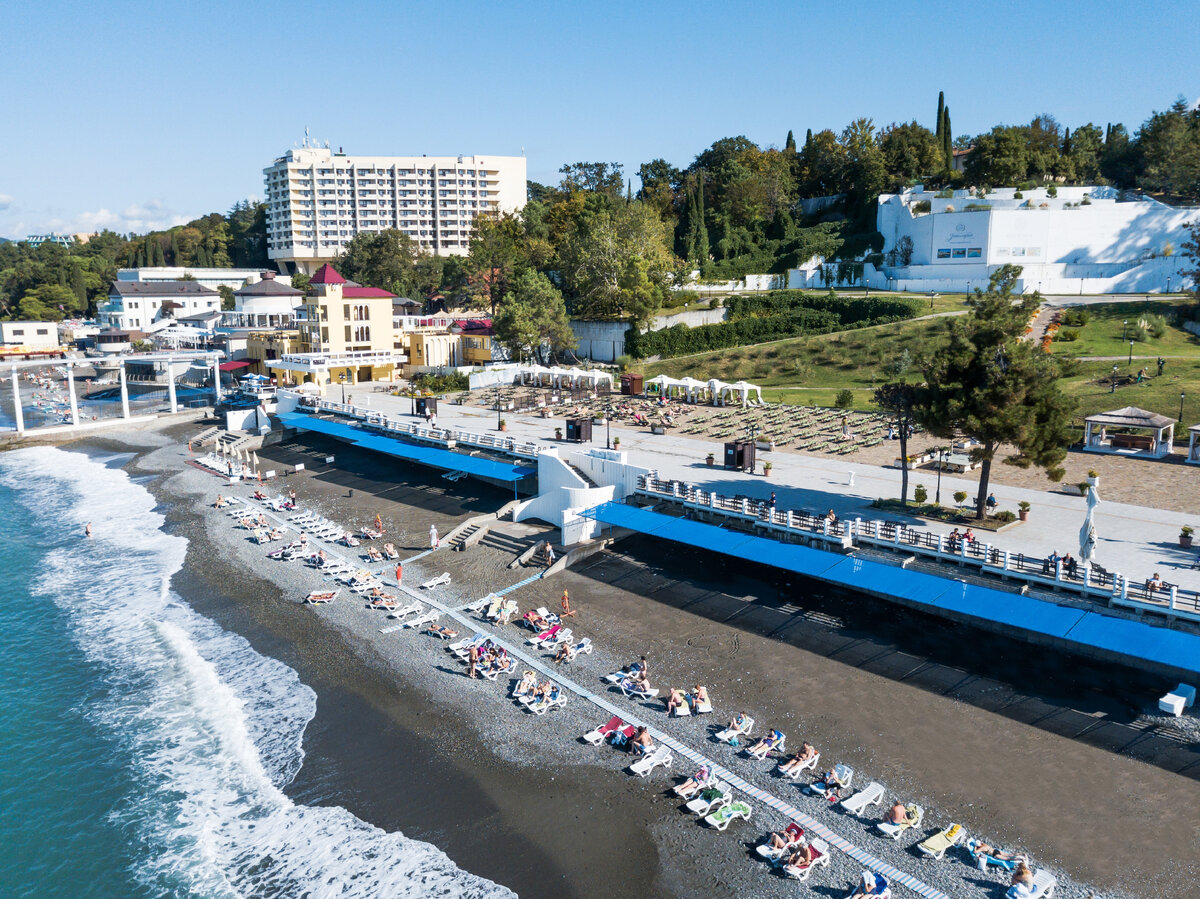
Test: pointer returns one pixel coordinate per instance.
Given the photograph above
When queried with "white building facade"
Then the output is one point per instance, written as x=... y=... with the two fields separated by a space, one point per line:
x=1083 y=240
x=141 y=306
x=209 y=277
x=317 y=200
x=35 y=335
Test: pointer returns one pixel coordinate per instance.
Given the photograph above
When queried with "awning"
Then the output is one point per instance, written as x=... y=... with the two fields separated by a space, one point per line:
x=233 y=366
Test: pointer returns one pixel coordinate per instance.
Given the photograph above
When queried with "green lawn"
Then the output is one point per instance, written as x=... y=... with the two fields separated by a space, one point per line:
x=1092 y=387
x=1102 y=335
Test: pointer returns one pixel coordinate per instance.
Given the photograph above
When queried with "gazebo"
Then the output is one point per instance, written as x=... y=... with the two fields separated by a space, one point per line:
x=1193 y=456
x=1156 y=444
x=741 y=390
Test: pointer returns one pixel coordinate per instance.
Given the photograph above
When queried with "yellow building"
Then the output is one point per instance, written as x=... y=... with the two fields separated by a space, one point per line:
x=263 y=347
x=346 y=335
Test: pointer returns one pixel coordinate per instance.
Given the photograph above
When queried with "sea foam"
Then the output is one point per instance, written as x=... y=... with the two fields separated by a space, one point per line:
x=212 y=729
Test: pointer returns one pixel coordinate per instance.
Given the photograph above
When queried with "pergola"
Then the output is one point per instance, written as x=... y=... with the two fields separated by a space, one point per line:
x=1193 y=455
x=1157 y=443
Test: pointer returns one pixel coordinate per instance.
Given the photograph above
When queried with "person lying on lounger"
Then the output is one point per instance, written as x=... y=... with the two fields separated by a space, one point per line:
x=738 y=723
x=220 y=503
x=642 y=742
x=536 y=621
x=500 y=663
x=830 y=785
x=1023 y=877
x=983 y=853
x=781 y=839
x=439 y=631
x=801 y=858
x=674 y=700
x=527 y=685
x=696 y=782
x=564 y=654
x=259 y=495
x=871 y=885
x=806 y=753
x=772 y=740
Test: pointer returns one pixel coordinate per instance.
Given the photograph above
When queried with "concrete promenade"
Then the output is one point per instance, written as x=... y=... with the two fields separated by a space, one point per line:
x=1133 y=540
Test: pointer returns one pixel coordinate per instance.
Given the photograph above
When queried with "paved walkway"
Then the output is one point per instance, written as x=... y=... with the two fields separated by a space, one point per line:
x=1133 y=540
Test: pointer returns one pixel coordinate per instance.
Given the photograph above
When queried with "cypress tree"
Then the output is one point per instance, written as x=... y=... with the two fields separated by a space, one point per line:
x=702 y=232
x=941 y=114
x=628 y=191
x=174 y=250
x=790 y=143
x=1108 y=134
x=159 y=258
x=808 y=138
x=947 y=139
x=77 y=284
x=1066 y=145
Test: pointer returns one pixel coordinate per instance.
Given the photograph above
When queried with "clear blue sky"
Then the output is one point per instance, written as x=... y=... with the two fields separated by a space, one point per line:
x=140 y=115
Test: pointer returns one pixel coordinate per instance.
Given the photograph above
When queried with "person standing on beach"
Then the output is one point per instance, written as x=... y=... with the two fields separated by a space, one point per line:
x=399 y=573
x=566 y=606
x=379 y=524
x=433 y=536
x=472 y=660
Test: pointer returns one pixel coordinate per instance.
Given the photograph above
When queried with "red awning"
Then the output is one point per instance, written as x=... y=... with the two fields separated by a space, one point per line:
x=233 y=366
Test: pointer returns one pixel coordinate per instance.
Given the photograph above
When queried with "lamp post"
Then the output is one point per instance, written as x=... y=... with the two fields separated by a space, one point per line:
x=1124 y=327
x=1168 y=283
x=497 y=407
x=937 y=496
x=342 y=380
x=1130 y=353
x=1114 y=380
x=1181 y=396
x=968 y=288
x=607 y=430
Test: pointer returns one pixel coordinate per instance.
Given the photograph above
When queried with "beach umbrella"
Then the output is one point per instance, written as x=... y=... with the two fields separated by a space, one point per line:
x=254 y=456
x=1087 y=533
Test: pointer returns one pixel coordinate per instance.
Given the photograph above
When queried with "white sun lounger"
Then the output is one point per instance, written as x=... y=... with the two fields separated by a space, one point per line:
x=936 y=845
x=722 y=818
x=405 y=611
x=1044 y=884
x=845 y=774
x=542 y=706
x=597 y=736
x=916 y=816
x=820 y=859
x=636 y=691
x=426 y=618
x=465 y=642
x=480 y=604
x=795 y=835
x=439 y=581
x=647 y=763
x=795 y=772
x=583 y=647
x=701 y=806
x=871 y=794
x=729 y=734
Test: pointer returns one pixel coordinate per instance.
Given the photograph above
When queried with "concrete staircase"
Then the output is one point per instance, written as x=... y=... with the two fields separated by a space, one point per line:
x=587 y=480
x=208 y=435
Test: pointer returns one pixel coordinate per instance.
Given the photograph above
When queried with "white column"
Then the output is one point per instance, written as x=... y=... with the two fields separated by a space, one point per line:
x=18 y=413
x=71 y=391
x=216 y=382
x=171 y=387
x=124 y=392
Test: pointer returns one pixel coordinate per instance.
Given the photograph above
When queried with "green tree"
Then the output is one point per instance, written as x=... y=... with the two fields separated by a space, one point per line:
x=384 y=259
x=660 y=180
x=789 y=145
x=940 y=120
x=1191 y=251
x=533 y=318
x=865 y=168
x=898 y=400
x=300 y=281
x=999 y=157
x=1169 y=143
x=597 y=177
x=988 y=383
x=947 y=140
x=495 y=255
x=911 y=152
x=228 y=301
x=1084 y=152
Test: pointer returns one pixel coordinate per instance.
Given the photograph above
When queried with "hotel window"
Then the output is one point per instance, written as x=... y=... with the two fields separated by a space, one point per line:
x=347 y=333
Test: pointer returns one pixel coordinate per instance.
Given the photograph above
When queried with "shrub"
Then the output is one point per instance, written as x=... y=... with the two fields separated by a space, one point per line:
x=960 y=496
x=945 y=194
x=624 y=361
x=1018 y=196
x=1005 y=516
x=446 y=383
x=1052 y=191
x=1076 y=318
x=1066 y=335
x=976 y=207
x=922 y=206
x=844 y=398
x=920 y=495
x=1085 y=201
x=949 y=209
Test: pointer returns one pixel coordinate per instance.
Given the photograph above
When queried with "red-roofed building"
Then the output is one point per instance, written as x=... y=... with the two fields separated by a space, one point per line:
x=327 y=274
x=350 y=293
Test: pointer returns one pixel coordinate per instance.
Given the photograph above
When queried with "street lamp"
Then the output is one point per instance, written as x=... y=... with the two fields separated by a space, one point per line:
x=1181 y=396
x=342 y=379
x=937 y=496
x=1130 y=353
x=1114 y=380
x=497 y=407
x=1124 y=327
x=607 y=429
x=1168 y=283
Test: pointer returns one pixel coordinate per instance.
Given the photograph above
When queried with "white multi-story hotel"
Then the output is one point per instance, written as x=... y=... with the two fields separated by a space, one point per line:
x=317 y=200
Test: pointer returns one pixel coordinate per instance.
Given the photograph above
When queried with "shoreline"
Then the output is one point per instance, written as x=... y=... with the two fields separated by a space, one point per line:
x=667 y=852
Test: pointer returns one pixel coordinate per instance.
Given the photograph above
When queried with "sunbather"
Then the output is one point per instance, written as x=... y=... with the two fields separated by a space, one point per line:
x=697 y=698
x=440 y=631
x=675 y=698
x=806 y=753
x=642 y=742
x=220 y=503
x=900 y=814
x=536 y=621
x=871 y=885
x=696 y=782
x=564 y=654
x=527 y=685
x=829 y=786
x=738 y=727
x=766 y=744
x=781 y=839
x=984 y=852
x=1022 y=877
x=800 y=858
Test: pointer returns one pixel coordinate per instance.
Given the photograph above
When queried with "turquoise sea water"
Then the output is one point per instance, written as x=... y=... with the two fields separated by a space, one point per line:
x=144 y=751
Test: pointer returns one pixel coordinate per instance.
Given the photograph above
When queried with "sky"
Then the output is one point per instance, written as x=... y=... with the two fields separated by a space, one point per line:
x=137 y=116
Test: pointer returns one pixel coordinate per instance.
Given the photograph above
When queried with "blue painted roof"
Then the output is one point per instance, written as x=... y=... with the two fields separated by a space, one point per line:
x=1092 y=629
x=413 y=452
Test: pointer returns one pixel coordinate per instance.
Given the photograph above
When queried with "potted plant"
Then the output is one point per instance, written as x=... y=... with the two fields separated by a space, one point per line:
x=503 y=425
x=960 y=496
x=1185 y=536
x=920 y=495
x=710 y=460
x=764 y=442
x=616 y=443
x=767 y=466
x=558 y=433
x=1023 y=506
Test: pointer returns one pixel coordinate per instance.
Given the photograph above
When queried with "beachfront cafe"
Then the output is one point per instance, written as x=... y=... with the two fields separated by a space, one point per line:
x=1129 y=432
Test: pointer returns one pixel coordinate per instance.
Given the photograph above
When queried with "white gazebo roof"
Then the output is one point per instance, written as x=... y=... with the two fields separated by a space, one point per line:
x=1130 y=417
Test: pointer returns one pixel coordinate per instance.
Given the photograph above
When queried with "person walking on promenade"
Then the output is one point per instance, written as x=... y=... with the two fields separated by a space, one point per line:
x=433 y=536
x=549 y=554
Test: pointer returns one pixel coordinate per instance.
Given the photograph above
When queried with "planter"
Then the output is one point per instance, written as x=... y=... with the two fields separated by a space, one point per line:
x=765 y=445
x=710 y=460
x=657 y=429
x=1023 y=514
x=766 y=471
x=915 y=463
x=558 y=433
x=1185 y=542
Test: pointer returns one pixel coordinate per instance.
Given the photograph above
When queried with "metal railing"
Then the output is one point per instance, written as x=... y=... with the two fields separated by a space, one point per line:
x=1092 y=582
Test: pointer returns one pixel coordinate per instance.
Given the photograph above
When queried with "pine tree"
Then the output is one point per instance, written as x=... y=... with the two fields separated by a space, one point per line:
x=790 y=143
x=941 y=116
x=628 y=191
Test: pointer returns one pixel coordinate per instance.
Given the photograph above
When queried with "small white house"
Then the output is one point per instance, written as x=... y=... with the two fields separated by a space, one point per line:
x=35 y=335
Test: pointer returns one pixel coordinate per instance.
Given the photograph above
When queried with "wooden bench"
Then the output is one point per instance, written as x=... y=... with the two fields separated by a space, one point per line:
x=1133 y=441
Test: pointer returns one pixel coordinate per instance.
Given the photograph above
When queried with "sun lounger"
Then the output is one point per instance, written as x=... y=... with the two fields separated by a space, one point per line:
x=820 y=859
x=1044 y=884
x=439 y=581
x=539 y=639
x=775 y=740
x=597 y=736
x=871 y=794
x=721 y=818
x=703 y=708
x=703 y=778
x=442 y=633
x=404 y=611
x=795 y=772
x=647 y=763
x=317 y=597
x=390 y=551
x=421 y=620
x=936 y=845
x=845 y=774
x=545 y=704
x=732 y=735
x=637 y=691
x=795 y=835
x=384 y=602
x=713 y=797
x=582 y=647
x=916 y=815
x=983 y=862
x=464 y=643
x=617 y=676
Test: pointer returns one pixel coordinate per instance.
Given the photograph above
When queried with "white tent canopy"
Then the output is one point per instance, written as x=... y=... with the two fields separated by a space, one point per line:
x=741 y=390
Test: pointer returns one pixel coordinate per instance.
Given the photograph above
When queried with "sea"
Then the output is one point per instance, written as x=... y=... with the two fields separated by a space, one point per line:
x=145 y=751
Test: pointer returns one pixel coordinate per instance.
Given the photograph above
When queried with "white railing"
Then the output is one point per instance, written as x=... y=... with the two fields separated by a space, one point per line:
x=1090 y=582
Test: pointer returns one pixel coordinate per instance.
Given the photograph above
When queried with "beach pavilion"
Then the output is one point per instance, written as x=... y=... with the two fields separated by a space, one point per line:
x=1193 y=454
x=1129 y=432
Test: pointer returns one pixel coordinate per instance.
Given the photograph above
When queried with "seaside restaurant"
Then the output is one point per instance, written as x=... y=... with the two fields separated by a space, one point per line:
x=1129 y=432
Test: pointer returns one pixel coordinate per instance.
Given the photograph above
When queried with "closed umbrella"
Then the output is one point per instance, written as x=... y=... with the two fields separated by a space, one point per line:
x=1087 y=533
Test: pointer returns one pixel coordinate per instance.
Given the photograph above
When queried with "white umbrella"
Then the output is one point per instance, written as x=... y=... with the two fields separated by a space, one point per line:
x=1087 y=533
